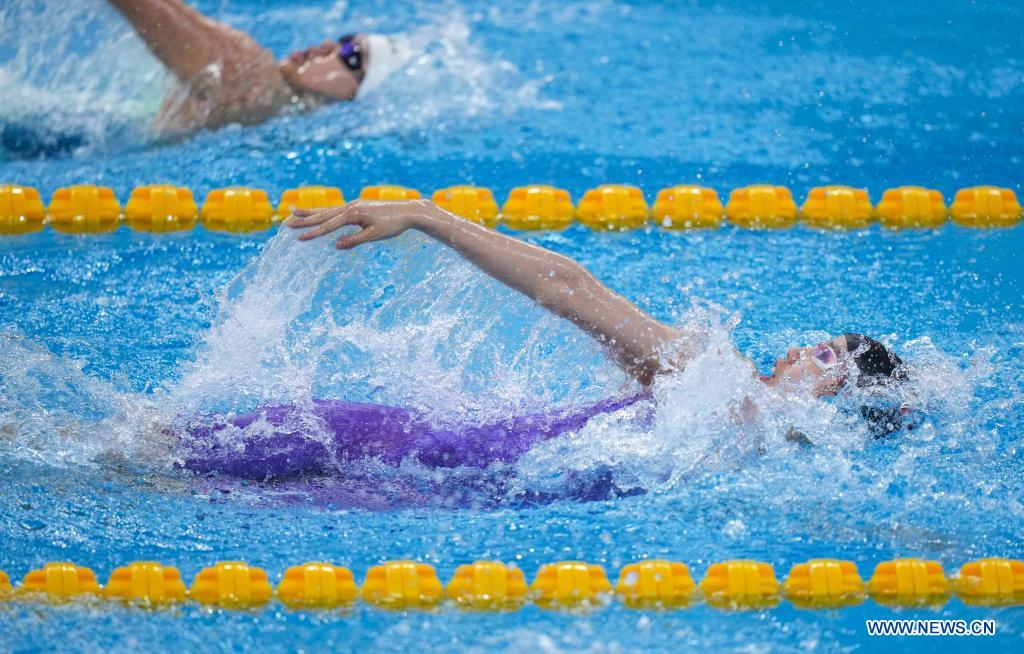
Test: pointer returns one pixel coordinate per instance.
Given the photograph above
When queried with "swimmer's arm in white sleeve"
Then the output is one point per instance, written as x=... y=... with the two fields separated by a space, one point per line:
x=639 y=343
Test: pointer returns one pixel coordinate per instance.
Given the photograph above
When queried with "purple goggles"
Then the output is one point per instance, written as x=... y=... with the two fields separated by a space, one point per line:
x=351 y=54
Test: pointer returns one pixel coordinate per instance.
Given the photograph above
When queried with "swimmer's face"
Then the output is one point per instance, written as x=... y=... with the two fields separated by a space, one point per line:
x=797 y=371
x=320 y=71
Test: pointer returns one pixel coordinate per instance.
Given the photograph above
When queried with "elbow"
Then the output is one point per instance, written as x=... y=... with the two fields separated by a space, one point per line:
x=557 y=296
x=571 y=277
x=562 y=287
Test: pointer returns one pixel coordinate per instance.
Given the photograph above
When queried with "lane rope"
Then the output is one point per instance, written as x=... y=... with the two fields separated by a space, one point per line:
x=572 y=585
x=90 y=209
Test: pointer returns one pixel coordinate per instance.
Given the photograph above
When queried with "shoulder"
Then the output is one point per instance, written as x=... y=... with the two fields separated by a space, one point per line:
x=682 y=345
x=243 y=85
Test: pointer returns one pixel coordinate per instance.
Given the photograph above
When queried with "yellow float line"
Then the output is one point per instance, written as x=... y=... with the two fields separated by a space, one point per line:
x=573 y=585
x=610 y=207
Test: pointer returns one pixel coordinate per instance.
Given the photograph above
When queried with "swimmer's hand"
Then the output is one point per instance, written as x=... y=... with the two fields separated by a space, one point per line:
x=377 y=220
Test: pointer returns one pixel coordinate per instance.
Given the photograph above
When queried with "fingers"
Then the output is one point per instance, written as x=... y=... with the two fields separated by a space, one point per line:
x=327 y=226
x=324 y=221
x=364 y=235
x=310 y=217
x=313 y=212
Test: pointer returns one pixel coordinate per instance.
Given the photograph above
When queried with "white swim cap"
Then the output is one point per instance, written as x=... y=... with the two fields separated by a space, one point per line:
x=386 y=55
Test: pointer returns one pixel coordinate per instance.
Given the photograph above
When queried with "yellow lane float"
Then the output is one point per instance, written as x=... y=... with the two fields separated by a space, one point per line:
x=21 y=209
x=85 y=209
x=402 y=585
x=147 y=582
x=231 y=584
x=317 y=585
x=487 y=586
x=688 y=207
x=837 y=207
x=609 y=207
x=61 y=580
x=824 y=583
x=570 y=584
x=655 y=584
x=613 y=207
x=991 y=582
x=237 y=209
x=761 y=206
x=389 y=192
x=985 y=206
x=909 y=582
x=495 y=586
x=309 y=197
x=740 y=584
x=538 y=207
x=161 y=209
x=470 y=202
x=911 y=207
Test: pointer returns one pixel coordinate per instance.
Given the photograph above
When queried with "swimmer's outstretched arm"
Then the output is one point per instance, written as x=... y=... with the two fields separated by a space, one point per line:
x=559 y=284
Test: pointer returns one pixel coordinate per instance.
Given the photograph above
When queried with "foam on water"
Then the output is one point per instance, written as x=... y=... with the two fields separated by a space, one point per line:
x=716 y=417
x=446 y=79
x=405 y=322
x=53 y=413
x=74 y=79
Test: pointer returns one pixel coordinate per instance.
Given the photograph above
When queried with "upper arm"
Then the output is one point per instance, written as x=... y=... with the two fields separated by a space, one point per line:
x=224 y=75
x=240 y=84
x=184 y=40
x=639 y=343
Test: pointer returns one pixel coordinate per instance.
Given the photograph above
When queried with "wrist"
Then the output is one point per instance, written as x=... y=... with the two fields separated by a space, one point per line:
x=428 y=217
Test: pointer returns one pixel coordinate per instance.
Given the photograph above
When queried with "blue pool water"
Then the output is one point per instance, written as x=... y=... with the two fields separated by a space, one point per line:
x=106 y=339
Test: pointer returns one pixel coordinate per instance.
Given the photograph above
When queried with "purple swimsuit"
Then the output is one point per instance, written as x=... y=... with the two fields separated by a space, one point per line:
x=367 y=431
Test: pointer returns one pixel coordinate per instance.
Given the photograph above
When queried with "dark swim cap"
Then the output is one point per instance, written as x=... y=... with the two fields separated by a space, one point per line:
x=879 y=368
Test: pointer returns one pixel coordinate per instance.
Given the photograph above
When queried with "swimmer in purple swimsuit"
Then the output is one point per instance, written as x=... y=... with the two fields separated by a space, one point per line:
x=284 y=441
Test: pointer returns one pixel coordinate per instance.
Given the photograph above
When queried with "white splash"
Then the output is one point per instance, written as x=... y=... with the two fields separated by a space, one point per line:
x=404 y=322
x=85 y=81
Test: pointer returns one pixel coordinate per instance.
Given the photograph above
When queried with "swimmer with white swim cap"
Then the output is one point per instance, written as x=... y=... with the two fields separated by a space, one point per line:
x=225 y=77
